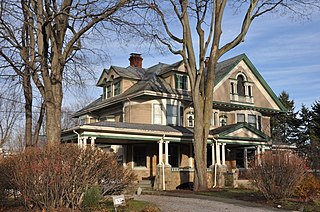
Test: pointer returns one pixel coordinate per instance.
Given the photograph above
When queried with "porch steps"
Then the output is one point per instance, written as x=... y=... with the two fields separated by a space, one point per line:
x=146 y=185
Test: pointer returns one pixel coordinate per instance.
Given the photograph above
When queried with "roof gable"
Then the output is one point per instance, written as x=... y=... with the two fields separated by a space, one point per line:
x=242 y=131
x=225 y=69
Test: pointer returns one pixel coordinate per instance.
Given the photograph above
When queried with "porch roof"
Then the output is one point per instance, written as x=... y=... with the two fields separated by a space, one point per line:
x=120 y=132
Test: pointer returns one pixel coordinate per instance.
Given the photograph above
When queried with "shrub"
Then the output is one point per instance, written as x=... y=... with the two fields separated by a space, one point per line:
x=58 y=176
x=278 y=174
x=309 y=188
x=91 y=197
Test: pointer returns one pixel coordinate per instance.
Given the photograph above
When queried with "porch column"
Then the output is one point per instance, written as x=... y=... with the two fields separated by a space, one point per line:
x=80 y=141
x=166 y=152
x=223 y=154
x=160 y=142
x=84 y=142
x=93 y=139
x=190 y=156
x=245 y=158
x=213 y=154
x=258 y=153
x=262 y=149
x=218 y=153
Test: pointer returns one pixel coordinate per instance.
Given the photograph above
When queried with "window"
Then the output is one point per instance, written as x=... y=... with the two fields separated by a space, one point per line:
x=259 y=122
x=172 y=114
x=181 y=116
x=109 y=91
x=157 y=114
x=174 y=155
x=252 y=120
x=139 y=155
x=181 y=82
x=190 y=119
x=240 y=118
x=223 y=120
x=240 y=85
x=249 y=91
x=116 y=88
x=232 y=88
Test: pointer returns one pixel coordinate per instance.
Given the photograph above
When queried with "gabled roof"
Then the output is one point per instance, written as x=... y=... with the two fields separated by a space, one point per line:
x=149 y=80
x=233 y=131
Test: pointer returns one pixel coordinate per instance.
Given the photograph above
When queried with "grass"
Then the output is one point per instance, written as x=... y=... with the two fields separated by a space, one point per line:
x=106 y=206
x=255 y=196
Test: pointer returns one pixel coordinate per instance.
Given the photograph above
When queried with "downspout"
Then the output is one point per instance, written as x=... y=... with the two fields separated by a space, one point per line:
x=129 y=109
x=215 y=168
x=78 y=136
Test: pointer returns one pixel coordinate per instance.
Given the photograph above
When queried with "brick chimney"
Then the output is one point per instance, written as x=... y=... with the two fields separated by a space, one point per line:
x=135 y=60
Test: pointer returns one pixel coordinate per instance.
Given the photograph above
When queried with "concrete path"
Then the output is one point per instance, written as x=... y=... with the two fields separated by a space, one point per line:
x=197 y=203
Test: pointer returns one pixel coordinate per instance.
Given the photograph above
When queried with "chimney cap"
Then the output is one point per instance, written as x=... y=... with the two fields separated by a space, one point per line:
x=135 y=54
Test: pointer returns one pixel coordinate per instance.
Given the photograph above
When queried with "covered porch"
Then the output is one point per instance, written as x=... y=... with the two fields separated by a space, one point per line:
x=163 y=155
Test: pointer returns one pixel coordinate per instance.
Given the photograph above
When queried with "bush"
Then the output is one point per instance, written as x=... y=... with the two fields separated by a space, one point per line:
x=91 y=197
x=309 y=188
x=59 y=176
x=278 y=175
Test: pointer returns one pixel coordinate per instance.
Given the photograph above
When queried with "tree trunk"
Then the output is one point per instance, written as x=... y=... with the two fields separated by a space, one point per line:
x=38 y=125
x=53 y=121
x=27 y=90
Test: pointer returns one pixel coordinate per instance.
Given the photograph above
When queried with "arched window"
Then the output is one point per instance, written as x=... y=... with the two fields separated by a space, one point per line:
x=223 y=120
x=240 y=85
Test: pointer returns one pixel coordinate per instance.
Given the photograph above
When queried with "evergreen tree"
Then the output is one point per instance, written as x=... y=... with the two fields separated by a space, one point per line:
x=314 y=147
x=285 y=125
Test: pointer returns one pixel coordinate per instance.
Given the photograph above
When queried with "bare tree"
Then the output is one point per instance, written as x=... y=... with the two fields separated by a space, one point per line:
x=10 y=111
x=46 y=36
x=193 y=30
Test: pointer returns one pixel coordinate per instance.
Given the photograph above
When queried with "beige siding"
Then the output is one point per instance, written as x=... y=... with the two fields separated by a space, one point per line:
x=222 y=93
x=265 y=125
x=138 y=113
x=126 y=84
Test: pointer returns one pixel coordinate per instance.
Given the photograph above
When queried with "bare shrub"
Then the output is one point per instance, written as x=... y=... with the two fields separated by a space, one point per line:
x=278 y=174
x=59 y=176
x=309 y=188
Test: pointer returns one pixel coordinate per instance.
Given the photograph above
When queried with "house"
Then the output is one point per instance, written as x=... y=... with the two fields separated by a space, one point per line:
x=146 y=116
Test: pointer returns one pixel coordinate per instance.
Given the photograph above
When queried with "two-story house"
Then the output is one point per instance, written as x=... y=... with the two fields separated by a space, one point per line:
x=146 y=115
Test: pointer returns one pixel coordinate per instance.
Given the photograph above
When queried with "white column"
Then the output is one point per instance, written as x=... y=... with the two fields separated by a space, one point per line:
x=80 y=141
x=262 y=149
x=93 y=139
x=166 y=152
x=258 y=151
x=190 y=156
x=223 y=154
x=84 y=142
x=218 y=153
x=213 y=154
x=160 y=151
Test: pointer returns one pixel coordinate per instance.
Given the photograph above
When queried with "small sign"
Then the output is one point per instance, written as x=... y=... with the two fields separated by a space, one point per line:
x=119 y=200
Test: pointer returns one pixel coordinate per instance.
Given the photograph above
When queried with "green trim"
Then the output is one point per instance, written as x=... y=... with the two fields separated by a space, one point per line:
x=264 y=83
x=233 y=105
x=259 y=77
x=225 y=133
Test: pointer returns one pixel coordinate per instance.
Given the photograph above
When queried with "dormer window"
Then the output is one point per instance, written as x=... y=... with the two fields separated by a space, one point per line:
x=109 y=94
x=181 y=81
x=116 y=88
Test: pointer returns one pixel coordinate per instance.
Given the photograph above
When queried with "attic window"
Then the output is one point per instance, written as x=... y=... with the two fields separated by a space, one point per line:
x=181 y=82
x=240 y=85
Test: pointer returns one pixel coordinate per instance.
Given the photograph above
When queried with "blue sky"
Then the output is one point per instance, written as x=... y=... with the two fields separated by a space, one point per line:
x=286 y=52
